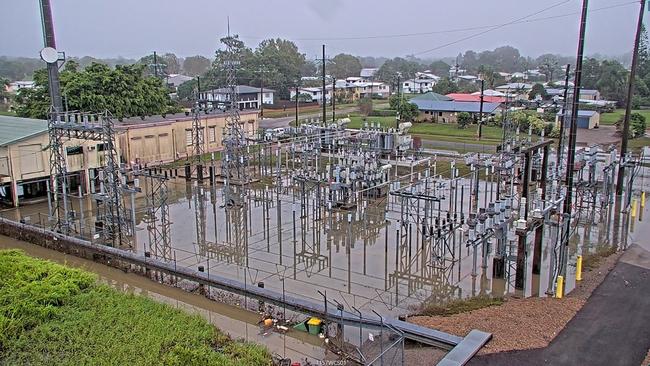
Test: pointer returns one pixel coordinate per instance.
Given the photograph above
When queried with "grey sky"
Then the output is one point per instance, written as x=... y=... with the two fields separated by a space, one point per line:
x=131 y=28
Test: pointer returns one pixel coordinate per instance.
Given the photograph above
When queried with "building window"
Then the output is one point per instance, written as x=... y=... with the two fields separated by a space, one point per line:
x=74 y=150
x=212 y=135
x=439 y=114
x=188 y=137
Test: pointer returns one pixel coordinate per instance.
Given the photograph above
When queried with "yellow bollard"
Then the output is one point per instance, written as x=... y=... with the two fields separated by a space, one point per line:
x=579 y=268
x=633 y=211
x=642 y=199
x=559 y=289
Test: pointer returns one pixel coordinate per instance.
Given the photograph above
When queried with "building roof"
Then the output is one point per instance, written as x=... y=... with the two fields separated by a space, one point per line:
x=14 y=129
x=368 y=72
x=431 y=96
x=515 y=86
x=177 y=79
x=461 y=97
x=582 y=113
x=241 y=89
x=453 y=106
x=588 y=91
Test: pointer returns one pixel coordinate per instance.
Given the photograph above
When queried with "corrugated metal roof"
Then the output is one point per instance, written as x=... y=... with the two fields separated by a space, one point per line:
x=13 y=129
x=431 y=96
x=241 y=89
x=447 y=106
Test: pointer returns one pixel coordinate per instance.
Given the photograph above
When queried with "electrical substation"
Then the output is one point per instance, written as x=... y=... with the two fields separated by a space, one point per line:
x=359 y=227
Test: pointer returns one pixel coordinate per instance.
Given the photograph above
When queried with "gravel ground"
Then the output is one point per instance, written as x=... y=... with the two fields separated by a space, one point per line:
x=522 y=323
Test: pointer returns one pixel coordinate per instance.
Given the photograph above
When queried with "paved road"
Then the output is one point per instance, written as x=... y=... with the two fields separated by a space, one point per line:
x=613 y=328
x=285 y=121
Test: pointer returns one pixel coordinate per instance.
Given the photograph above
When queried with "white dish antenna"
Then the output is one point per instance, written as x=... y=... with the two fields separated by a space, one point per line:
x=49 y=55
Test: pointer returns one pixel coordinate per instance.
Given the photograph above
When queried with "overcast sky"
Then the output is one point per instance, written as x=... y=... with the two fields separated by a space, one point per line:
x=131 y=28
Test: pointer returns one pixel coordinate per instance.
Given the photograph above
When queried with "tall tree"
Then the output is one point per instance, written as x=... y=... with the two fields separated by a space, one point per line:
x=173 y=63
x=195 y=65
x=344 y=65
x=281 y=64
x=396 y=68
x=439 y=68
x=123 y=91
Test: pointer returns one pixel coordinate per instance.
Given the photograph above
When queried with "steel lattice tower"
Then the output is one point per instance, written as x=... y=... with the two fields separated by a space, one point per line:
x=197 y=144
x=233 y=166
x=116 y=227
x=58 y=174
x=157 y=216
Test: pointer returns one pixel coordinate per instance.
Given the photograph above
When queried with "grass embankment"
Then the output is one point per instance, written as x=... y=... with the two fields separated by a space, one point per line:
x=54 y=315
x=461 y=306
x=491 y=135
x=611 y=118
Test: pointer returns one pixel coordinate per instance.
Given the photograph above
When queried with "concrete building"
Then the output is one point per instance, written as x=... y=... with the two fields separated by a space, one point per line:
x=25 y=154
x=158 y=139
x=25 y=160
x=316 y=93
x=250 y=97
x=175 y=80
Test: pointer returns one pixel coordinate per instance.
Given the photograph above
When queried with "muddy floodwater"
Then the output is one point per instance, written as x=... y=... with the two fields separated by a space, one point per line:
x=289 y=242
x=236 y=322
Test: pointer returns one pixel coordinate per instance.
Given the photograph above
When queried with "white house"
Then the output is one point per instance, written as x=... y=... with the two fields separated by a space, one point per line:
x=249 y=97
x=418 y=85
x=315 y=93
x=427 y=75
x=15 y=86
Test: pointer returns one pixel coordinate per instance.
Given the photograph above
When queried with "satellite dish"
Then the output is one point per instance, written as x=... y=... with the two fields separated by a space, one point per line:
x=49 y=55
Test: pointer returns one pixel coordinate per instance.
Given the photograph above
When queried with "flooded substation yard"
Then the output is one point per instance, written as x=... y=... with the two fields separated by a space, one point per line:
x=358 y=231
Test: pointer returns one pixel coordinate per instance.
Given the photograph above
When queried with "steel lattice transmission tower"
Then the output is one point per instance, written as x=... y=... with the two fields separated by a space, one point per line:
x=117 y=227
x=58 y=174
x=197 y=144
x=234 y=159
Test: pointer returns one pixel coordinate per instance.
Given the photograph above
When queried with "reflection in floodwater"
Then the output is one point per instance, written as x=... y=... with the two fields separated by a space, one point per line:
x=388 y=253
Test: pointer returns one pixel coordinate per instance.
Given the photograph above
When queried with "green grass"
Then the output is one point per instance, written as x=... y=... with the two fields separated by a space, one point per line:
x=461 y=306
x=7 y=113
x=611 y=118
x=639 y=143
x=439 y=131
x=54 y=315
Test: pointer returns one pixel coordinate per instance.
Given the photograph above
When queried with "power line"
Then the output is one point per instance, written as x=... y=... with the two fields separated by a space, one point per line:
x=453 y=30
x=474 y=35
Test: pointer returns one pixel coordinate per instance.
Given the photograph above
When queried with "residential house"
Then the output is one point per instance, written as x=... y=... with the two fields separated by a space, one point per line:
x=418 y=85
x=515 y=90
x=490 y=93
x=368 y=74
x=447 y=111
x=463 y=97
x=316 y=93
x=589 y=94
x=249 y=97
x=15 y=86
x=427 y=75
x=175 y=80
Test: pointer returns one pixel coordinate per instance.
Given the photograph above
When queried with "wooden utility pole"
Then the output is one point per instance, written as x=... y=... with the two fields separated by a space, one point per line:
x=628 y=102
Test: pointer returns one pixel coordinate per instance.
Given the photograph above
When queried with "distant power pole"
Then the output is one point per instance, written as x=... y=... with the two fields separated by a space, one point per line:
x=155 y=65
x=323 y=99
x=628 y=102
x=480 y=113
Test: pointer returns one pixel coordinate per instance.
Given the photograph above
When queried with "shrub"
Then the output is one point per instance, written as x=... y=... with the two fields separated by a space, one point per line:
x=464 y=119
